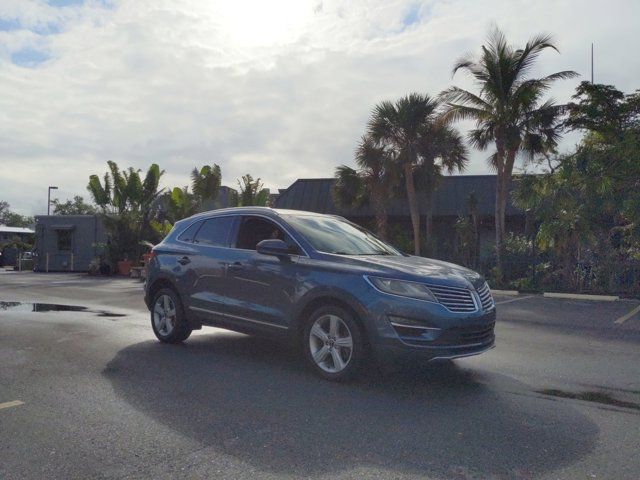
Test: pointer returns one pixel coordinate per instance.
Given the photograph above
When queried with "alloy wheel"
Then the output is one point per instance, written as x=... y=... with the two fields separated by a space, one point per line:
x=331 y=343
x=164 y=315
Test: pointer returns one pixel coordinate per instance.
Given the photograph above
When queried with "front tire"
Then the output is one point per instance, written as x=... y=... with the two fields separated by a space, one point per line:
x=167 y=317
x=333 y=343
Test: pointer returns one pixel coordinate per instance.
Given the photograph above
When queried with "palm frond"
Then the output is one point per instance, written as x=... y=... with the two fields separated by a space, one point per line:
x=455 y=112
x=527 y=56
x=347 y=188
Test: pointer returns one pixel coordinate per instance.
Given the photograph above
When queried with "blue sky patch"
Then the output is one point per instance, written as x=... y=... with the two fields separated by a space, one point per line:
x=29 y=57
x=64 y=3
x=12 y=24
x=7 y=24
x=412 y=16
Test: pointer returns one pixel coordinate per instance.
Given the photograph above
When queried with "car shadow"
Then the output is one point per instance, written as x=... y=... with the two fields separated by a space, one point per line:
x=250 y=398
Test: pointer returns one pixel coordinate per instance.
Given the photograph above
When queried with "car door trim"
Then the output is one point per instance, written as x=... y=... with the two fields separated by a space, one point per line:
x=238 y=317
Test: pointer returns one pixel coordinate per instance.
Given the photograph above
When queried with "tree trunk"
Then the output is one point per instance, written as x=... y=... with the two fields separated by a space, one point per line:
x=429 y=223
x=502 y=192
x=413 y=206
x=501 y=204
x=380 y=211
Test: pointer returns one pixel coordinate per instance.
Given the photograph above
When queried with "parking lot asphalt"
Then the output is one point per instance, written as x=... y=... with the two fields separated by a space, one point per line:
x=90 y=393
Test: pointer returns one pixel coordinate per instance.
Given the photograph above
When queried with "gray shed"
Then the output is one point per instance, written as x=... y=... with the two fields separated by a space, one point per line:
x=67 y=243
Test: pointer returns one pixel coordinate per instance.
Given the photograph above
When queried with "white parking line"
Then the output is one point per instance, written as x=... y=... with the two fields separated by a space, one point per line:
x=15 y=403
x=626 y=317
x=514 y=299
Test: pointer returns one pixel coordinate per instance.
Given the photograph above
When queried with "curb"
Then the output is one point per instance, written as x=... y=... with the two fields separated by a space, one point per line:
x=510 y=293
x=579 y=296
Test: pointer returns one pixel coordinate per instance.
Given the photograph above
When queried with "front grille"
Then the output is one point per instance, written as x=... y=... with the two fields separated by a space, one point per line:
x=485 y=296
x=456 y=299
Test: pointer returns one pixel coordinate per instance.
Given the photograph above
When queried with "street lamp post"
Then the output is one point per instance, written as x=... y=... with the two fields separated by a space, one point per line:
x=49 y=199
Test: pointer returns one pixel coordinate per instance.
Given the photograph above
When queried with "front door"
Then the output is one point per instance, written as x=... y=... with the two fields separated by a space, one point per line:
x=262 y=288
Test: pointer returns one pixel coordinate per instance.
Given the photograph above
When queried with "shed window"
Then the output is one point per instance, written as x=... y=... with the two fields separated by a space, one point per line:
x=64 y=240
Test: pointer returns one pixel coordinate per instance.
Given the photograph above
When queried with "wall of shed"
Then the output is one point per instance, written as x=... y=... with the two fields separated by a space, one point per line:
x=87 y=232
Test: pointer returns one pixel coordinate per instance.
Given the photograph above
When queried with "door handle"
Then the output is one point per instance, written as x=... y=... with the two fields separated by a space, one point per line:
x=235 y=266
x=184 y=260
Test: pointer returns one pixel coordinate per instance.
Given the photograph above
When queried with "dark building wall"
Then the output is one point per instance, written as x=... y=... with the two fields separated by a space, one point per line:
x=450 y=200
x=66 y=243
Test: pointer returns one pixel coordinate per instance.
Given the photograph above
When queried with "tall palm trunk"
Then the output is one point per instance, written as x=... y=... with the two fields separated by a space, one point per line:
x=413 y=205
x=429 y=222
x=502 y=193
x=501 y=205
x=380 y=211
x=501 y=199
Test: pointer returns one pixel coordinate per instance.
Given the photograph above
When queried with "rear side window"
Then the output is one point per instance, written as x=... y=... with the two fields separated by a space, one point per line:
x=215 y=232
x=189 y=234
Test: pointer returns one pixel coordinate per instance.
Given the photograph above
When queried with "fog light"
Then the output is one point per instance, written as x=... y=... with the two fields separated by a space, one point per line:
x=403 y=322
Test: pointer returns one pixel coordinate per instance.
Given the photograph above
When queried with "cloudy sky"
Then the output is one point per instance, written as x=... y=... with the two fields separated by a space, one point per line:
x=278 y=88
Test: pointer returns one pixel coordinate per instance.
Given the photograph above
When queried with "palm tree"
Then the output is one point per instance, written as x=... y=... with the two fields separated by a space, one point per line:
x=126 y=202
x=373 y=183
x=124 y=191
x=348 y=188
x=181 y=204
x=398 y=126
x=252 y=192
x=508 y=110
x=441 y=149
x=205 y=183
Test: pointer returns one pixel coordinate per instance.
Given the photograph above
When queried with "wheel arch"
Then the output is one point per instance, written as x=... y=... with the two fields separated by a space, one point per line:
x=158 y=284
x=163 y=282
x=329 y=297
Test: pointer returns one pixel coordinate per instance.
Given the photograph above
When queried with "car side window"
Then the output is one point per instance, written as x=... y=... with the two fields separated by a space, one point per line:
x=189 y=234
x=255 y=229
x=214 y=232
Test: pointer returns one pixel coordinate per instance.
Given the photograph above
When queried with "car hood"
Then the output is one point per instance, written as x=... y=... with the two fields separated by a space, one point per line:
x=425 y=269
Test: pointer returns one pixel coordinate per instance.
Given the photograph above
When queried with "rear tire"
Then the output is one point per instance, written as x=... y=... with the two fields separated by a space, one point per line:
x=334 y=344
x=167 y=317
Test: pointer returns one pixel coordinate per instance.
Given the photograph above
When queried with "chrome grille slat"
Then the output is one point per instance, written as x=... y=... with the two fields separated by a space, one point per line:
x=449 y=289
x=460 y=300
x=486 y=299
x=455 y=299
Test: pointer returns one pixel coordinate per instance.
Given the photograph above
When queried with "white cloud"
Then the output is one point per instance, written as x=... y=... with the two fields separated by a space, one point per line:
x=279 y=89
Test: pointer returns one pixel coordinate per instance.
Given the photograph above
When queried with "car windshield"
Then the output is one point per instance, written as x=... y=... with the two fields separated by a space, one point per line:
x=336 y=235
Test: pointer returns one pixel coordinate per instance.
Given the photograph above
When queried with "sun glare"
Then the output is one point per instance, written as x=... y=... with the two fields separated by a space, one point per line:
x=260 y=23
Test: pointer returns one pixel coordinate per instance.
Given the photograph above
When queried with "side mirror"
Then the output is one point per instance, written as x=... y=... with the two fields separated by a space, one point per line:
x=273 y=247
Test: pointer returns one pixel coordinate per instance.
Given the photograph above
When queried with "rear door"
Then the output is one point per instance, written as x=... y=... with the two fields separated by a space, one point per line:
x=208 y=291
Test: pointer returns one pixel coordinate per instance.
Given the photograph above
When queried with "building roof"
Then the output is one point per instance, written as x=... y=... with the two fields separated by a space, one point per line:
x=5 y=229
x=450 y=199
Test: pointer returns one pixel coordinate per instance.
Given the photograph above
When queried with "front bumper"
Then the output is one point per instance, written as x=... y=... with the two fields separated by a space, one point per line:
x=406 y=328
x=389 y=352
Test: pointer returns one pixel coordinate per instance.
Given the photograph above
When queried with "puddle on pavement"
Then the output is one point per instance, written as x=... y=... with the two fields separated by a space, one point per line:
x=53 y=307
x=595 y=397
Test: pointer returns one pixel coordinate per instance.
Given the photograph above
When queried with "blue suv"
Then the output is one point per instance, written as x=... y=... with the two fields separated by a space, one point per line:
x=327 y=285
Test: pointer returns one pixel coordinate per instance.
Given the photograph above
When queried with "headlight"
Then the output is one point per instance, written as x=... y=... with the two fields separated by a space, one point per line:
x=403 y=288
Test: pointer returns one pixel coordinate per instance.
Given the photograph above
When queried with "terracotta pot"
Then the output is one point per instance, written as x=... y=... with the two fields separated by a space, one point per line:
x=124 y=267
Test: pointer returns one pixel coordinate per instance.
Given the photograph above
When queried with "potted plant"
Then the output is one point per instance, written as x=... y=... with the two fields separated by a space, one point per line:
x=124 y=266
